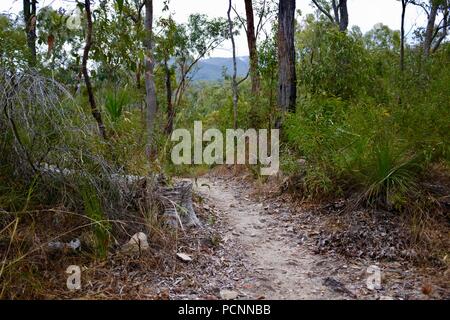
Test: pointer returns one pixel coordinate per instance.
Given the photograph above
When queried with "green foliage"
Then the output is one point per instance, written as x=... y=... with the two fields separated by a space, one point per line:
x=387 y=177
x=332 y=62
x=94 y=211
x=115 y=102
x=363 y=147
x=128 y=143
x=13 y=51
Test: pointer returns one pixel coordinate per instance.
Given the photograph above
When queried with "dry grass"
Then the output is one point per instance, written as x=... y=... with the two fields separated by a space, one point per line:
x=31 y=270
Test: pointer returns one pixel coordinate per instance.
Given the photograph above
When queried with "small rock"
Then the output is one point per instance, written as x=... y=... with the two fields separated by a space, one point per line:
x=184 y=257
x=74 y=245
x=137 y=242
x=228 y=294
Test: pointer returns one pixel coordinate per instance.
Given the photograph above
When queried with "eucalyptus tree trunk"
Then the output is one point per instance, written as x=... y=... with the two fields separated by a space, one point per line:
x=429 y=32
x=287 y=80
x=234 y=80
x=402 y=36
x=150 y=87
x=251 y=40
x=95 y=112
x=343 y=15
x=170 y=107
x=445 y=27
x=29 y=13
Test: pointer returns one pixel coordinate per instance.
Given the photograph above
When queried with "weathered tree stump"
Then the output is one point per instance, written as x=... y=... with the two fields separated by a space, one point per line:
x=178 y=207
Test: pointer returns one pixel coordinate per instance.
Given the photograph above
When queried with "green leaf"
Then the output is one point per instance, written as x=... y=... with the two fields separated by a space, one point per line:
x=120 y=5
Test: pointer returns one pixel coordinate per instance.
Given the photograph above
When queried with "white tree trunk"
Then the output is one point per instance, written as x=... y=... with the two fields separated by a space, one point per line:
x=149 y=79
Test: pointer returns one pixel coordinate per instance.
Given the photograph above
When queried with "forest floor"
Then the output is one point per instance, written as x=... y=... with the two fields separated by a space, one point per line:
x=256 y=244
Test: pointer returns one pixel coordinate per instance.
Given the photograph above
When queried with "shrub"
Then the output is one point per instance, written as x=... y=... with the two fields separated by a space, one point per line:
x=116 y=101
x=376 y=150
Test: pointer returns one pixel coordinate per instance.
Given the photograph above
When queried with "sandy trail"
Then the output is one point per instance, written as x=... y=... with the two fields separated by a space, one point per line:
x=279 y=265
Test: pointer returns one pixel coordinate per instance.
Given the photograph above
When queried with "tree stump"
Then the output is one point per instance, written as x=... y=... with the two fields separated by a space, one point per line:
x=178 y=207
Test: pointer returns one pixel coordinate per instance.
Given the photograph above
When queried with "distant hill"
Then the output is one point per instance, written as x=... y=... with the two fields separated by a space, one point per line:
x=211 y=69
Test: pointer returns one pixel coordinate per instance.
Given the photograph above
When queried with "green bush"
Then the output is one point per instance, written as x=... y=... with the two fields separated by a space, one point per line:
x=376 y=150
x=332 y=62
x=116 y=101
x=94 y=211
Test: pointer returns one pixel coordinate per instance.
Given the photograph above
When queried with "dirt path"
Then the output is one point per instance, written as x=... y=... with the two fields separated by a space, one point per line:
x=279 y=264
x=256 y=247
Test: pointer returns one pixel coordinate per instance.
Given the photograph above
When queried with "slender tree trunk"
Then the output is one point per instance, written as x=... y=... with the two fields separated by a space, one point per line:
x=170 y=108
x=429 y=32
x=402 y=36
x=340 y=13
x=335 y=12
x=251 y=40
x=138 y=74
x=95 y=112
x=445 y=27
x=343 y=15
x=29 y=12
x=149 y=79
x=271 y=97
x=287 y=80
x=234 y=81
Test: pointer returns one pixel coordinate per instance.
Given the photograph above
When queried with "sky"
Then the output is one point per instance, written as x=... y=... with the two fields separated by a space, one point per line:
x=363 y=13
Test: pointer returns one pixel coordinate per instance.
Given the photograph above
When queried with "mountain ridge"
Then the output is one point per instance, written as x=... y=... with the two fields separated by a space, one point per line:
x=212 y=69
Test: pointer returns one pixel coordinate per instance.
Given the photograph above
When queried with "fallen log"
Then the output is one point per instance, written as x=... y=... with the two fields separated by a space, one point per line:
x=176 y=199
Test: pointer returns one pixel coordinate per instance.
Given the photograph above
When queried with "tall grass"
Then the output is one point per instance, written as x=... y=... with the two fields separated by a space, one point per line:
x=94 y=211
x=115 y=102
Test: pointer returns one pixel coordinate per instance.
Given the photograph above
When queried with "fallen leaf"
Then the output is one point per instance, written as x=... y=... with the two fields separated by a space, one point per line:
x=427 y=289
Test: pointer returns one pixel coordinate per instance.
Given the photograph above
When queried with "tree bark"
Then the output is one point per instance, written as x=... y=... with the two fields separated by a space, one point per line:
x=343 y=15
x=178 y=206
x=150 y=87
x=444 y=27
x=138 y=75
x=29 y=13
x=430 y=28
x=287 y=80
x=95 y=112
x=234 y=81
x=251 y=40
x=402 y=36
x=170 y=108
x=335 y=7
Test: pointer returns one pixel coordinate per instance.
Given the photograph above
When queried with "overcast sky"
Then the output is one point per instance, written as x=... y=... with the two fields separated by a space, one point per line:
x=363 y=13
